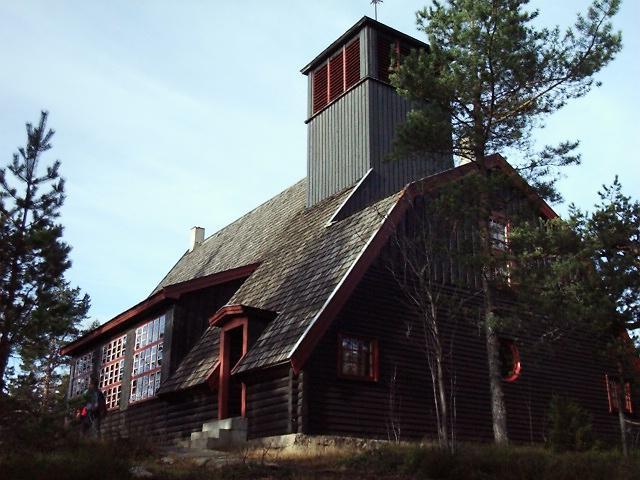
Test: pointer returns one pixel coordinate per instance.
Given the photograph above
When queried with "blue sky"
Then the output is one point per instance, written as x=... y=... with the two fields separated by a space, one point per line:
x=175 y=114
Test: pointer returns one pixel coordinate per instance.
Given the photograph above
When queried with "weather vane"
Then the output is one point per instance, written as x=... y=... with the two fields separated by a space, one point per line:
x=375 y=7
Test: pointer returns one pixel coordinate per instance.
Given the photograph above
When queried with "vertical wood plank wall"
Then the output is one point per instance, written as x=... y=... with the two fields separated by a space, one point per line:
x=355 y=133
x=338 y=145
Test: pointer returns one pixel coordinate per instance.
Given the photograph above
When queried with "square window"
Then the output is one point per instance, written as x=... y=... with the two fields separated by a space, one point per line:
x=357 y=358
x=499 y=233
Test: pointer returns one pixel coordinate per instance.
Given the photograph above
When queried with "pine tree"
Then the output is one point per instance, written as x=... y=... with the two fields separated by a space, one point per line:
x=488 y=79
x=37 y=307
x=586 y=271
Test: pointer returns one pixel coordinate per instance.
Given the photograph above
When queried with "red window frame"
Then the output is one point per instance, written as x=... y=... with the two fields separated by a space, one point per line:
x=373 y=360
x=112 y=370
x=614 y=391
x=145 y=380
x=516 y=365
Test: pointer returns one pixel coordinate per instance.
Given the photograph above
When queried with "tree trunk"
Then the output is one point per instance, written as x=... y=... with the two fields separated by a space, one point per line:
x=621 y=420
x=46 y=389
x=5 y=351
x=443 y=433
x=623 y=435
x=498 y=407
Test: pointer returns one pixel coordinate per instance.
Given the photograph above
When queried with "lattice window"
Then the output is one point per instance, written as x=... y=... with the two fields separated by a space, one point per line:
x=112 y=396
x=149 y=333
x=145 y=386
x=147 y=359
x=83 y=367
x=112 y=370
x=114 y=349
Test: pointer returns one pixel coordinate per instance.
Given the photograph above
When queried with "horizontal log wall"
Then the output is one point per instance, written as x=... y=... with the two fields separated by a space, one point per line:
x=272 y=403
x=163 y=420
x=402 y=399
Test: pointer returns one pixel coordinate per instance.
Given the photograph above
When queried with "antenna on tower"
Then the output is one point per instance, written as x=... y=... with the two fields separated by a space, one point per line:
x=375 y=7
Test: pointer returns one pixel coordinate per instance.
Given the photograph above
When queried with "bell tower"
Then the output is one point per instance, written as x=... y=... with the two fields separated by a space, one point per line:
x=352 y=114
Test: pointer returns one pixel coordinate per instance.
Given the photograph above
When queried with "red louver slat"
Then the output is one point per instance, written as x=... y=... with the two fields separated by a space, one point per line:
x=385 y=44
x=320 y=85
x=336 y=72
x=404 y=50
x=352 y=63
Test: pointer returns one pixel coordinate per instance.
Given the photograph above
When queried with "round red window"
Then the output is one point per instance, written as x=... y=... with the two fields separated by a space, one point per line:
x=509 y=360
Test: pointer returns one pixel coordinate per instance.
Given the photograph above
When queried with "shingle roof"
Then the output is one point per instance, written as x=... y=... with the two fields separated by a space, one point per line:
x=303 y=260
x=247 y=240
x=297 y=280
x=197 y=365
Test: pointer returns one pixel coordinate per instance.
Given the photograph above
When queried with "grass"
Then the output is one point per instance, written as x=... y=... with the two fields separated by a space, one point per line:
x=95 y=460
x=480 y=462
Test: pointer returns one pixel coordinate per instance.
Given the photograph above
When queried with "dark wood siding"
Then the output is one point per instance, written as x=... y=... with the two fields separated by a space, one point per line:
x=403 y=397
x=356 y=133
x=191 y=317
x=338 y=145
x=163 y=419
x=272 y=403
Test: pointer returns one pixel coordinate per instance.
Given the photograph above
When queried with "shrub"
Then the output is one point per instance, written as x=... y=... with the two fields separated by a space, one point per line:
x=568 y=426
x=95 y=460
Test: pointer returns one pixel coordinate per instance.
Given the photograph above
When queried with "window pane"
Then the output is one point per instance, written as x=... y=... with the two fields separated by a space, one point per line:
x=356 y=357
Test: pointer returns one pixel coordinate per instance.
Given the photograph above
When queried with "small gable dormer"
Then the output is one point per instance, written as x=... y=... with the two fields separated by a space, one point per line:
x=353 y=112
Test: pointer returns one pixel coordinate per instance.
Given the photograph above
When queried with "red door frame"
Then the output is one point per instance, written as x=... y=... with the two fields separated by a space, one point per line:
x=226 y=367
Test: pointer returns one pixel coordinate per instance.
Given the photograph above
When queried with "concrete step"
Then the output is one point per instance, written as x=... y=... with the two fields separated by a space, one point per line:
x=227 y=439
x=233 y=423
x=232 y=437
x=220 y=434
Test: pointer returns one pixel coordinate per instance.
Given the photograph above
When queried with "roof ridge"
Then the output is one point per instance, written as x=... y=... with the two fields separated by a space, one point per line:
x=263 y=204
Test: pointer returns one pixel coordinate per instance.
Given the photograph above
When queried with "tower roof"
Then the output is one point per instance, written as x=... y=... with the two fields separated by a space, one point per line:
x=364 y=21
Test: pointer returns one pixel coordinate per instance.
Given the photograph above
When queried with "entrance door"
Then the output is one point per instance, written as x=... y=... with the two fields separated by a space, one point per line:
x=231 y=392
x=234 y=405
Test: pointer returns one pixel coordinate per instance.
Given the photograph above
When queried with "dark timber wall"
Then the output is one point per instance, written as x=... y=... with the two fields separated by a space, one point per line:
x=274 y=402
x=354 y=134
x=339 y=144
x=163 y=419
x=178 y=414
x=402 y=398
x=191 y=317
